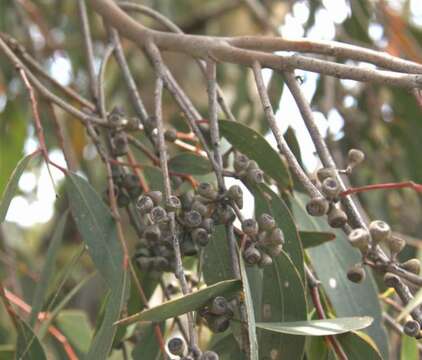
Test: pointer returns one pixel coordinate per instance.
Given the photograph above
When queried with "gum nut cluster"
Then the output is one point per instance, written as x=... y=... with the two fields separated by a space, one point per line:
x=118 y=137
x=218 y=313
x=127 y=187
x=247 y=169
x=264 y=240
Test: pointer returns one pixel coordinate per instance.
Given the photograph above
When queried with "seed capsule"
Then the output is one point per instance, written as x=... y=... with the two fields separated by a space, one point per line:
x=206 y=190
x=160 y=263
x=274 y=250
x=200 y=208
x=235 y=193
x=330 y=188
x=218 y=323
x=266 y=222
x=325 y=173
x=412 y=265
x=337 y=218
x=130 y=181
x=200 y=236
x=265 y=260
x=144 y=204
x=226 y=215
x=208 y=224
x=188 y=247
x=193 y=219
x=355 y=157
x=170 y=135
x=156 y=196
x=250 y=227
x=152 y=233
x=251 y=255
x=209 y=355
x=240 y=162
x=158 y=214
x=277 y=237
x=173 y=203
x=380 y=231
x=396 y=245
x=412 y=328
x=391 y=280
x=117 y=117
x=356 y=274
x=255 y=176
x=176 y=346
x=317 y=206
x=119 y=144
x=359 y=238
x=219 y=306
x=186 y=200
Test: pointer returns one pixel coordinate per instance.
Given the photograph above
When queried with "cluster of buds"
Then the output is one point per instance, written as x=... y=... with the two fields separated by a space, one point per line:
x=177 y=346
x=118 y=137
x=264 y=240
x=218 y=313
x=127 y=187
x=328 y=204
x=247 y=169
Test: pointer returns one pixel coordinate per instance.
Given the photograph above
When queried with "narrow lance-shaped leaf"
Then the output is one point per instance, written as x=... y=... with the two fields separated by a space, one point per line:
x=318 y=327
x=184 y=304
x=315 y=238
x=12 y=185
x=28 y=346
x=190 y=163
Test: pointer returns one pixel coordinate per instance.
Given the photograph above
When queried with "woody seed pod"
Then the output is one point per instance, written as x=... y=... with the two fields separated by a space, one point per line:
x=193 y=218
x=317 y=206
x=218 y=323
x=277 y=237
x=255 y=176
x=219 y=306
x=200 y=207
x=116 y=117
x=158 y=214
x=250 y=227
x=209 y=355
x=330 y=188
x=144 y=204
x=266 y=222
x=380 y=231
x=412 y=265
x=391 y=280
x=265 y=260
x=176 y=346
x=251 y=255
x=226 y=215
x=235 y=193
x=170 y=135
x=130 y=181
x=412 y=328
x=173 y=203
x=119 y=144
x=208 y=224
x=325 y=173
x=156 y=196
x=240 y=162
x=359 y=238
x=206 y=190
x=200 y=236
x=396 y=245
x=337 y=218
x=160 y=263
x=274 y=250
x=152 y=233
x=355 y=157
x=356 y=274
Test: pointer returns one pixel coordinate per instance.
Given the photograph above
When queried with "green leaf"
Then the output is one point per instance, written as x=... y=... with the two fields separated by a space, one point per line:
x=318 y=327
x=7 y=352
x=12 y=185
x=226 y=347
x=331 y=261
x=147 y=347
x=97 y=227
x=283 y=299
x=409 y=348
x=75 y=326
x=186 y=303
x=48 y=269
x=252 y=144
x=190 y=163
x=28 y=346
x=358 y=345
x=315 y=238
x=154 y=178
x=275 y=89
x=253 y=342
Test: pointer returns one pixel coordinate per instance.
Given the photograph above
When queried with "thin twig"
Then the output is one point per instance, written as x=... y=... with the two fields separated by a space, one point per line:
x=385 y=186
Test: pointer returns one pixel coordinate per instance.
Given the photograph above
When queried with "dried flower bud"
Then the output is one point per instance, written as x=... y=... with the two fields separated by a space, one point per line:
x=380 y=231
x=119 y=144
x=266 y=222
x=158 y=214
x=250 y=227
x=274 y=250
x=240 y=162
x=337 y=218
x=252 y=165
x=356 y=274
x=144 y=204
x=176 y=346
x=117 y=117
x=276 y=237
x=218 y=324
x=391 y=280
x=219 y=306
x=206 y=190
x=208 y=224
x=251 y=255
x=355 y=157
x=330 y=187
x=170 y=135
x=317 y=206
x=265 y=260
x=200 y=236
x=359 y=238
x=255 y=176
x=193 y=218
x=152 y=233
x=173 y=203
x=209 y=355
x=187 y=200
x=396 y=245
x=156 y=196
x=412 y=328
x=412 y=265
x=325 y=173
x=235 y=193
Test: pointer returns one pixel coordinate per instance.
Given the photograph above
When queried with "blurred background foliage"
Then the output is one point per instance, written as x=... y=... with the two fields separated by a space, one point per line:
x=384 y=122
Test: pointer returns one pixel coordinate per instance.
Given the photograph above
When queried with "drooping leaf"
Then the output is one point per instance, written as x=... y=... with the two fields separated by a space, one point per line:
x=318 y=327
x=186 y=303
x=315 y=238
x=357 y=345
x=48 y=269
x=189 y=163
x=147 y=346
x=250 y=314
x=252 y=144
x=275 y=89
x=409 y=348
x=28 y=346
x=12 y=185
x=347 y=298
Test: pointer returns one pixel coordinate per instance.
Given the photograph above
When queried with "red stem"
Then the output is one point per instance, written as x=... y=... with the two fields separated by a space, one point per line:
x=399 y=185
